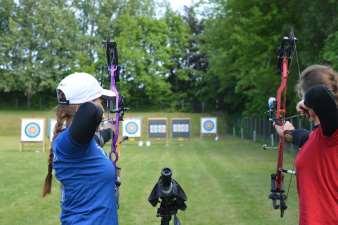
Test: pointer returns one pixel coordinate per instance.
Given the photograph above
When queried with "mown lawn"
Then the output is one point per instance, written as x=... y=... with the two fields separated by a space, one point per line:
x=227 y=182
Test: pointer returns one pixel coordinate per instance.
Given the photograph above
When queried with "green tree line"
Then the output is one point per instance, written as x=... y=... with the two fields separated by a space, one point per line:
x=217 y=55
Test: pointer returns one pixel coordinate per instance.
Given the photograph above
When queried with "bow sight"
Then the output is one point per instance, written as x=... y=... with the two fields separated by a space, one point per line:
x=172 y=197
x=272 y=103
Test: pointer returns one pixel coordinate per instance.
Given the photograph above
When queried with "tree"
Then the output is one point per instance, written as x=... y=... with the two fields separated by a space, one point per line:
x=41 y=46
x=7 y=79
x=177 y=70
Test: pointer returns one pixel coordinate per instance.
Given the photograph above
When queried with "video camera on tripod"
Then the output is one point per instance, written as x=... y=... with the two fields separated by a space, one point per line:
x=170 y=195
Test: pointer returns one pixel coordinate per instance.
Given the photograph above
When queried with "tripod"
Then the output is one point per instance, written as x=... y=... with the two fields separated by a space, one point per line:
x=165 y=220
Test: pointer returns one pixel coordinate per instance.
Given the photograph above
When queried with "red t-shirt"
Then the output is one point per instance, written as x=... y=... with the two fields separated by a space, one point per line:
x=317 y=179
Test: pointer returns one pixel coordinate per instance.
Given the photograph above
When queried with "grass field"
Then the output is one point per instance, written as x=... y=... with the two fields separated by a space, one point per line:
x=227 y=182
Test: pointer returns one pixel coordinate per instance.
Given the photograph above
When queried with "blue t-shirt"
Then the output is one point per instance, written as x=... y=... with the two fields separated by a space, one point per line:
x=87 y=179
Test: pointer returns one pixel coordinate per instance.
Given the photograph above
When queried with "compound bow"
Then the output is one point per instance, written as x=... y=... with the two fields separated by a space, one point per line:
x=277 y=112
x=115 y=105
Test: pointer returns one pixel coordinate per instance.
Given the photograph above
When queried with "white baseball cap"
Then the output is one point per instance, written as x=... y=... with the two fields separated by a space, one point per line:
x=81 y=87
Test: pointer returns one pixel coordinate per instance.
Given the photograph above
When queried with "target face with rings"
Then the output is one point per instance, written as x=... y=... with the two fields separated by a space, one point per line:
x=32 y=130
x=209 y=125
x=131 y=127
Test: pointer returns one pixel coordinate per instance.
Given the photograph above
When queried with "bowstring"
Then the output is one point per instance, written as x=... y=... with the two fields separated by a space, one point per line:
x=294 y=54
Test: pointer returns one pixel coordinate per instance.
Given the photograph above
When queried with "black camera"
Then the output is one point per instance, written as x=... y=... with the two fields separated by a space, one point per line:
x=170 y=195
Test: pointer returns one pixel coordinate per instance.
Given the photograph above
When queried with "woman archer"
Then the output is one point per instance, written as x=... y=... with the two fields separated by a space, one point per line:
x=87 y=176
x=317 y=160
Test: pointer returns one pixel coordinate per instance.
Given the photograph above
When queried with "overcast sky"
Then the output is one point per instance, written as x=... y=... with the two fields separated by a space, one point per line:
x=178 y=4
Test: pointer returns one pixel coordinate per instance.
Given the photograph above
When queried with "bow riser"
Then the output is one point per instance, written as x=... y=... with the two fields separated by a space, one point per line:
x=280 y=115
x=113 y=74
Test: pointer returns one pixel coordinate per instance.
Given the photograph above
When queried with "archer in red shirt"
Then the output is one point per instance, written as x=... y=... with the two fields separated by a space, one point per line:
x=317 y=162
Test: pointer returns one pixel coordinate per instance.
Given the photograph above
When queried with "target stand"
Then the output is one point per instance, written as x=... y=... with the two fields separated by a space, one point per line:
x=50 y=131
x=181 y=129
x=158 y=130
x=132 y=128
x=209 y=127
x=32 y=133
x=32 y=144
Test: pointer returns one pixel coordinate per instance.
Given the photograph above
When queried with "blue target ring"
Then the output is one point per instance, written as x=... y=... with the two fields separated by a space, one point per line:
x=131 y=127
x=208 y=125
x=32 y=130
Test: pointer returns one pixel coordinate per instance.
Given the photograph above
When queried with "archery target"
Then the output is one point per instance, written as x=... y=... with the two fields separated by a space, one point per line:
x=32 y=130
x=132 y=127
x=51 y=126
x=157 y=127
x=180 y=127
x=209 y=125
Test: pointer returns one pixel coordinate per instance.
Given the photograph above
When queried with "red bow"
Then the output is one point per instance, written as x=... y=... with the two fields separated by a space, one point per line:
x=277 y=109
